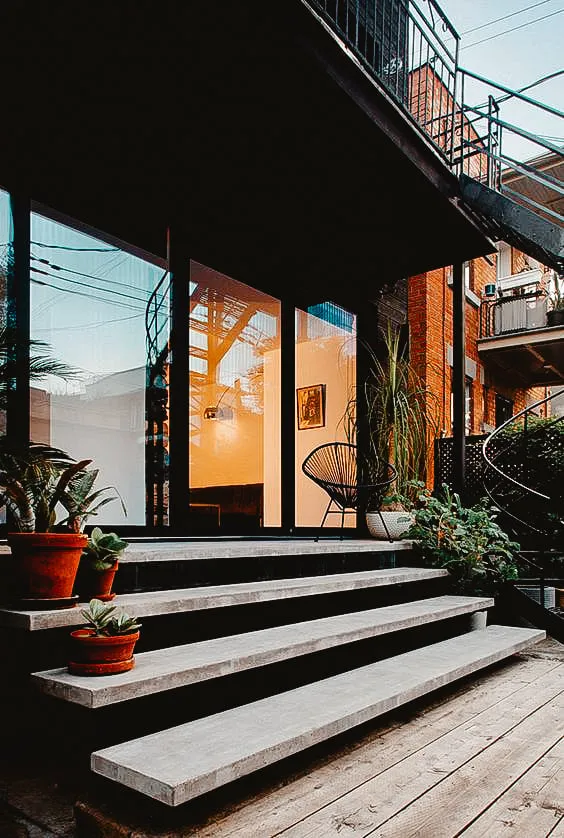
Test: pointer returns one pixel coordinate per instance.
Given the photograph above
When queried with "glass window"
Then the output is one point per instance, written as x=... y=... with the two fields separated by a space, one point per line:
x=234 y=404
x=93 y=303
x=5 y=259
x=468 y=406
x=325 y=398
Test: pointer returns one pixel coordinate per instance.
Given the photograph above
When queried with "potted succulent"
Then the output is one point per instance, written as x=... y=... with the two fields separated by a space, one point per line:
x=98 y=565
x=555 y=316
x=105 y=645
x=35 y=481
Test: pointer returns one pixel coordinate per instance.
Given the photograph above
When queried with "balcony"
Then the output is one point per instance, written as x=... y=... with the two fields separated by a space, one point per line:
x=411 y=52
x=516 y=341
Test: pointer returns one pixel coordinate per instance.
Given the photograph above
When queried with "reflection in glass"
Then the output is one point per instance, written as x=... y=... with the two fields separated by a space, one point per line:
x=325 y=376
x=89 y=302
x=6 y=232
x=234 y=404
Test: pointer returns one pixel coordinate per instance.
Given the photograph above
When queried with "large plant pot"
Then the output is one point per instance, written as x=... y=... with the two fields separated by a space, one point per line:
x=95 y=584
x=397 y=523
x=45 y=566
x=93 y=655
x=555 y=317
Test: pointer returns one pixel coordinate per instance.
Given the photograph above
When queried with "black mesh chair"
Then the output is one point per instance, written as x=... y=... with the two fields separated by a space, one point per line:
x=334 y=467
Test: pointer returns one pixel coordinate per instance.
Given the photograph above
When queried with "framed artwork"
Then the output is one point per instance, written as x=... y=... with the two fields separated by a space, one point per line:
x=311 y=407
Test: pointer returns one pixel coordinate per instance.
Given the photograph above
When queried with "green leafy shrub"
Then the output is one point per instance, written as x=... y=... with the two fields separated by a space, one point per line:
x=466 y=541
x=35 y=479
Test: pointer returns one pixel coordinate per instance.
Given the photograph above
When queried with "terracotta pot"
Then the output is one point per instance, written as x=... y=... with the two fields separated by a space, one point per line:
x=46 y=563
x=94 y=655
x=95 y=584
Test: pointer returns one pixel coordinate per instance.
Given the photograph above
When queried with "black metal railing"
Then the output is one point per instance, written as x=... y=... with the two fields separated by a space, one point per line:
x=411 y=49
x=482 y=136
x=157 y=330
x=508 y=315
x=524 y=479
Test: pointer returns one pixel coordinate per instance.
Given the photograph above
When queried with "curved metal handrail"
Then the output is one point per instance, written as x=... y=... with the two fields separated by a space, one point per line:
x=491 y=464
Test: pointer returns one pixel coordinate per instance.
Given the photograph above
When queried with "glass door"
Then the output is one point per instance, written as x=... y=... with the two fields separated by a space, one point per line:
x=235 y=407
x=325 y=398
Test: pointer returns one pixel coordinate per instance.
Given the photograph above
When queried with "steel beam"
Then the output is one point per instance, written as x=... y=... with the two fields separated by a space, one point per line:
x=458 y=378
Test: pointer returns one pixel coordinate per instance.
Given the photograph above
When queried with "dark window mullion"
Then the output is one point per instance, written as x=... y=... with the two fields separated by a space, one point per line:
x=18 y=319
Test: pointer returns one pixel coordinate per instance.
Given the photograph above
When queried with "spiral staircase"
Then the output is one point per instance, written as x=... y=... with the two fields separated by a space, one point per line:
x=524 y=479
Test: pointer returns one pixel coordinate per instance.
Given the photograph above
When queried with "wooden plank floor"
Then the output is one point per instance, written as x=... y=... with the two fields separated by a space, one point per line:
x=488 y=761
x=483 y=759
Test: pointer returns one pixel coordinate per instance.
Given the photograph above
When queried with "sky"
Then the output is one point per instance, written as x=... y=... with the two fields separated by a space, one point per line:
x=515 y=59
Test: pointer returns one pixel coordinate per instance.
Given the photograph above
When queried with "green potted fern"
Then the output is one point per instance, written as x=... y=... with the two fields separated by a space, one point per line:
x=98 y=565
x=105 y=645
x=36 y=481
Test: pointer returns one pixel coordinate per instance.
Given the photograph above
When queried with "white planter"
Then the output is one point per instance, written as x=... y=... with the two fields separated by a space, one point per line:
x=397 y=523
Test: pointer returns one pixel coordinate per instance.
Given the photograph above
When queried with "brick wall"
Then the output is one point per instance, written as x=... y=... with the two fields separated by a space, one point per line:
x=430 y=335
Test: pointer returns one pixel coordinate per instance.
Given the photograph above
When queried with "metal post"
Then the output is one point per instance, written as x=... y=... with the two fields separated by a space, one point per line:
x=18 y=319
x=288 y=418
x=458 y=378
x=179 y=403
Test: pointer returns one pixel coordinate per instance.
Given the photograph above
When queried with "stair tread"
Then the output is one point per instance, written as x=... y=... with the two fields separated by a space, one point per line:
x=147 y=552
x=177 y=666
x=183 y=762
x=157 y=603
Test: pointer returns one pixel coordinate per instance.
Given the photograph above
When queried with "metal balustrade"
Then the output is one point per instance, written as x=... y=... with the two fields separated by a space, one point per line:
x=509 y=315
x=411 y=49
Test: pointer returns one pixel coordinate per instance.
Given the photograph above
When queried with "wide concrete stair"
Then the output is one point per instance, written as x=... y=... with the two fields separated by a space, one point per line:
x=245 y=674
x=186 y=761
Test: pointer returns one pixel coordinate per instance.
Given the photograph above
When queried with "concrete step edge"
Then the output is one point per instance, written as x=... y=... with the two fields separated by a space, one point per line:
x=179 y=666
x=158 y=603
x=186 y=761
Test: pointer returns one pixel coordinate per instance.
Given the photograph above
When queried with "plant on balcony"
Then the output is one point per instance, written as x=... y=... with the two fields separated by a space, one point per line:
x=98 y=565
x=36 y=480
x=467 y=541
x=555 y=317
x=105 y=645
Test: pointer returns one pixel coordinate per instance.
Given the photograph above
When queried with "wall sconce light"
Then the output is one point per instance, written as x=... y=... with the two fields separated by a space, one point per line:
x=217 y=412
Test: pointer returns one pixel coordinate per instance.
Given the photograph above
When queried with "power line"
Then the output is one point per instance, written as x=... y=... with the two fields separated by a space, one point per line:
x=82 y=294
x=86 y=285
x=514 y=29
x=90 y=276
x=84 y=326
x=505 y=17
x=79 y=249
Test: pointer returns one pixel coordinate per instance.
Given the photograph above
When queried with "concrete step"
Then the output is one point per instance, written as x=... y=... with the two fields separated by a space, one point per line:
x=158 y=603
x=166 y=669
x=186 y=761
x=166 y=564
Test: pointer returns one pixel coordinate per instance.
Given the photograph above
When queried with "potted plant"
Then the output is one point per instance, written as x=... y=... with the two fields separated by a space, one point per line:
x=34 y=482
x=98 y=565
x=401 y=423
x=467 y=541
x=555 y=316
x=105 y=645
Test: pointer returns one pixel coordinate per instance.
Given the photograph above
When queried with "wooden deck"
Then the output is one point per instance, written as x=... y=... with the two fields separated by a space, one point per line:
x=486 y=761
